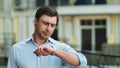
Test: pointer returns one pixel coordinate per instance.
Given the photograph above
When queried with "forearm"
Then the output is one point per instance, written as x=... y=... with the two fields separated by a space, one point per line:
x=68 y=57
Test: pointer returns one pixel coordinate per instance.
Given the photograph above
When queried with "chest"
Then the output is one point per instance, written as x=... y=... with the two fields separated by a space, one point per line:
x=27 y=59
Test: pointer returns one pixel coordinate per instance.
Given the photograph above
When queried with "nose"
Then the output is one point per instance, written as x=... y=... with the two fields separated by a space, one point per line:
x=49 y=28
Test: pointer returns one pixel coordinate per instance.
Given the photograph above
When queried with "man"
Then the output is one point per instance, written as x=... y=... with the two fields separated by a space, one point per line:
x=41 y=51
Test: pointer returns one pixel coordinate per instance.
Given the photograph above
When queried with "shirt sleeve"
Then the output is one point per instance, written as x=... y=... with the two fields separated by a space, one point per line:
x=82 y=58
x=11 y=59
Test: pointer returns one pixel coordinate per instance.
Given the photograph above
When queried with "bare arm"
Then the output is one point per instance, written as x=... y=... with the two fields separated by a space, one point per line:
x=68 y=57
x=64 y=55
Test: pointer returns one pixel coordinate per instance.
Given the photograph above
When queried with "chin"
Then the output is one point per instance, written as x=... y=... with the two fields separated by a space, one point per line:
x=46 y=37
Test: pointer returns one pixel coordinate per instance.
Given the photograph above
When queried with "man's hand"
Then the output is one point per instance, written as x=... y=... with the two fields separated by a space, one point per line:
x=44 y=50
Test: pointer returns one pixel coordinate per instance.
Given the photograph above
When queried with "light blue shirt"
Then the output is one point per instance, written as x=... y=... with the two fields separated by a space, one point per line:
x=22 y=56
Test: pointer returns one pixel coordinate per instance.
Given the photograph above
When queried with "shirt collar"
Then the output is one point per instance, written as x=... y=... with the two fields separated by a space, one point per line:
x=51 y=39
x=48 y=40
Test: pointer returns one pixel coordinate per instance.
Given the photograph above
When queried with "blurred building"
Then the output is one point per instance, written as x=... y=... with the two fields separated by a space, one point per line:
x=84 y=24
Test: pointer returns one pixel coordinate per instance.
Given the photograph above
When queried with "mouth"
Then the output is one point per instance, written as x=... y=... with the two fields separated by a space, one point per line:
x=46 y=33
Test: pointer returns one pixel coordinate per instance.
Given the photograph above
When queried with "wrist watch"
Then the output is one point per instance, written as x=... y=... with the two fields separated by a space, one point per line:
x=54 y=50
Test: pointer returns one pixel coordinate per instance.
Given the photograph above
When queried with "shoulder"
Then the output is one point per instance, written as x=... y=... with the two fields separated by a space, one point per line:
x=56 y=41
x=19 y=44
x=59 y=44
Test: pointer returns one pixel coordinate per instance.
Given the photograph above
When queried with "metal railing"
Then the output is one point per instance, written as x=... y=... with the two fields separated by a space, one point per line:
x=7 y=40
x=102 y=60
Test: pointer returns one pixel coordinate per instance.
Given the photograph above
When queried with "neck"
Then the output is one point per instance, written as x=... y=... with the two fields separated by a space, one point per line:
x=38 y=40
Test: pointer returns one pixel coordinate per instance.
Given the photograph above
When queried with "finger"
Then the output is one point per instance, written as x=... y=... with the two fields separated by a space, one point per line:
x=43 y=48
x=45 y=53
x=35 y=52
x=38 y=52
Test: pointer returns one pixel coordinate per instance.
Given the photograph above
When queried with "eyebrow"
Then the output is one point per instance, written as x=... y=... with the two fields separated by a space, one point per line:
x=47 y=21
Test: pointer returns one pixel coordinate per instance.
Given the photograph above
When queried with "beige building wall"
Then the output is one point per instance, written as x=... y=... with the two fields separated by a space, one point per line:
x=72 y=23
x=1 y=4
x=112 y=38
x=21 y=25
x=111 y=2
x=21 y=22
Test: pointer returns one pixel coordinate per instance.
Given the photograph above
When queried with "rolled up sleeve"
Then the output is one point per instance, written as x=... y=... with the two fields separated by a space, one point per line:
x=83 y=60
x=81 y=57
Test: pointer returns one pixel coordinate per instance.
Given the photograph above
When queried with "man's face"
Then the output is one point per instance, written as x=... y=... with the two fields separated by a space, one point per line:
x=45 y=26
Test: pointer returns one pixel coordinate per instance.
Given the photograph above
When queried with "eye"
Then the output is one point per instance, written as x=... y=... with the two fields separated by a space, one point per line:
x=45 y=23
x=53 y=25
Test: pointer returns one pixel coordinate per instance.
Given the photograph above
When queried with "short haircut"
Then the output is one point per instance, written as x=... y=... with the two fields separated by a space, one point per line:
x=45 y=10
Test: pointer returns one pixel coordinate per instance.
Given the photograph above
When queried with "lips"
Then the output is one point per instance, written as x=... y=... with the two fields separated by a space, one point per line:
x=46 y=33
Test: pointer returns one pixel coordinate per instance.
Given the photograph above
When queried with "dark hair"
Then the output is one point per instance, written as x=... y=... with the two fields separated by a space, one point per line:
x=45 y=10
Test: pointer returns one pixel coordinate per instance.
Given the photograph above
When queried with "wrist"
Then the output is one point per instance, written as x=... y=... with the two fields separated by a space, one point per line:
x=54 y=51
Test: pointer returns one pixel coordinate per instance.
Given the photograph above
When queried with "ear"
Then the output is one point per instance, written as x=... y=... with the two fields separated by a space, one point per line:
x=35 y=21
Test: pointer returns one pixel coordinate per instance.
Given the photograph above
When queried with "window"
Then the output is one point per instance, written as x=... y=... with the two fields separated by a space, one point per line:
x=40 y=3
x=64 y=2
x=100 y=1
x=86 y=22
x=93 y=33
x=83 y=2
x=100 y=22
x=88 y=2
x=51 y=2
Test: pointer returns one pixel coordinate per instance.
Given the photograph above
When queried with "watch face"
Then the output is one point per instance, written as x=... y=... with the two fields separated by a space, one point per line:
x=53 y=53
